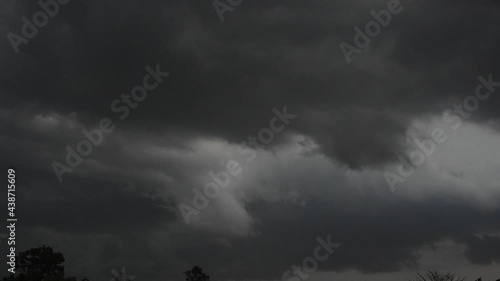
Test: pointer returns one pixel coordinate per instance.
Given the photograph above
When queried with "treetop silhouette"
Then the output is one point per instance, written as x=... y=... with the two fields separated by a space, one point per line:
x=196 y=274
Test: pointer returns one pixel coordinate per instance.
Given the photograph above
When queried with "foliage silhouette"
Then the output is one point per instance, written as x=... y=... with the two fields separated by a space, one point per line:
x=43 y=264
x=39 y=264
x=434 y=275
x=196 y=274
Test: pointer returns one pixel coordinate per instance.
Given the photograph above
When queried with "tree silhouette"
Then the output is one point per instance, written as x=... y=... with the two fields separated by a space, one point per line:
x=196 y=274
x=39 y=264
x=434 y=275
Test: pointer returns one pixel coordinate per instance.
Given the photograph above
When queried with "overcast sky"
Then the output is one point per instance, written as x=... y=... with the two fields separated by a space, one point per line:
x=349 y=123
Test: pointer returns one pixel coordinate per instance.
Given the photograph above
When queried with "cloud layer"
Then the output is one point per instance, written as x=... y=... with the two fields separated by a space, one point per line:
x=323 y=175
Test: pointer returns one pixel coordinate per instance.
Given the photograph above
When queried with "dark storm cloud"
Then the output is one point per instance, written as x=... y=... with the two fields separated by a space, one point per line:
x=288 y=54
x=225 y=80
x=483 y=250
x=375 y=237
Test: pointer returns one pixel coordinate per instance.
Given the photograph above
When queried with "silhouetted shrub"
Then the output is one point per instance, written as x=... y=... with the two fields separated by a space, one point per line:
x=434 y=275
x=196 y=274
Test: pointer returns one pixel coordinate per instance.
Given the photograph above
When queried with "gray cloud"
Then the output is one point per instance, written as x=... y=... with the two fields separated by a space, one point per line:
x=225 y=80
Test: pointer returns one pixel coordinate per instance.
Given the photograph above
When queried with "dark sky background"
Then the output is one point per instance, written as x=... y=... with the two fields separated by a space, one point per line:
x=323 y=175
